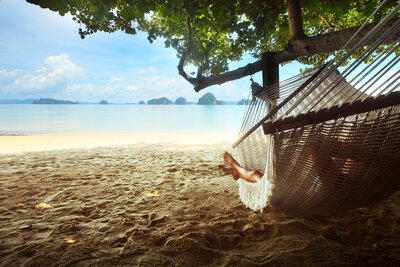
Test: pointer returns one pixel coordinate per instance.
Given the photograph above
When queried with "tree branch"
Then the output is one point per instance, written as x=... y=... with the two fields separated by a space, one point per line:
x=327 y=22
x=186 y=54
x=332 y=41
x=205 y=82
x=200 y=68
x=318 y=44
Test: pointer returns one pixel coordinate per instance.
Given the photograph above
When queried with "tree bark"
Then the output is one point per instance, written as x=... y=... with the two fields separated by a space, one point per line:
x=185 y=54
x=318 y=44
x=295 y=20
x=270 y=73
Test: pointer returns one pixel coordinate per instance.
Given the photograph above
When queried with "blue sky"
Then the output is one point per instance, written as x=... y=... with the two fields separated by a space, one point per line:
x=42 y=55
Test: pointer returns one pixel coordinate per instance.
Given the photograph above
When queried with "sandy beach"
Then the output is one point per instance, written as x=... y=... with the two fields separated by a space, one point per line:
x=159 y=199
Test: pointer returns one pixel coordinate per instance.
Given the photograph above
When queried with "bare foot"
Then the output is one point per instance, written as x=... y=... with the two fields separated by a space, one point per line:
x=231 y=171
x=237 y=171
x=230 y=160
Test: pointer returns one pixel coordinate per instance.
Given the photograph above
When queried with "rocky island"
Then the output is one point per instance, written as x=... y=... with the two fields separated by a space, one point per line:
x=209 y=99
x=181 y=101
x=159 y=101
x=53 y=101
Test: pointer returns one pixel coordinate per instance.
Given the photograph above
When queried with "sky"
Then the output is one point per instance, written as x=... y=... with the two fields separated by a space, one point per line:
x=42 y=55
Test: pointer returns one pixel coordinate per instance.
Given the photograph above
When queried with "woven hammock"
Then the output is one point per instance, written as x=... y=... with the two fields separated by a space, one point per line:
x=329 y=139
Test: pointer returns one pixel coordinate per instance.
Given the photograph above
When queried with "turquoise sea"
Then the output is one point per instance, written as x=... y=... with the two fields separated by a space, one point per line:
x=37 y=119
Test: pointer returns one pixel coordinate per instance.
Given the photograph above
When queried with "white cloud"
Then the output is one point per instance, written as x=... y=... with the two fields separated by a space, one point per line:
x=114 y=80
x=230 y=91
x=147 y=70
x=78 y=92
x=5 y=74
x=56 y=74
x=109 y=90
x=80 y=89
x=167 y=82
x=131 y=88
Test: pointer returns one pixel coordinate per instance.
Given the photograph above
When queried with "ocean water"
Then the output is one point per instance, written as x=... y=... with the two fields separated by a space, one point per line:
x=33 y=119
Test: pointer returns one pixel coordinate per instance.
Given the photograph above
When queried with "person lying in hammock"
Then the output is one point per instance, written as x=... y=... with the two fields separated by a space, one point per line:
x=324 y=163
x=238 y=171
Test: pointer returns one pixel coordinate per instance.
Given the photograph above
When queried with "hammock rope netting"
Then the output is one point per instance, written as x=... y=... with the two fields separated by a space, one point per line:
x=329 y=139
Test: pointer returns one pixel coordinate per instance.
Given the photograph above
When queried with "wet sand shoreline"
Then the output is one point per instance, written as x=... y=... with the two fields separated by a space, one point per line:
x=18 y=143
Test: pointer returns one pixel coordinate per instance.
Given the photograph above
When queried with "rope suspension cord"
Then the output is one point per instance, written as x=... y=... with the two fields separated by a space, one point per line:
x=331 y=68
x=365 y=23
x=357 y=32
x=247 y=113
x=378 y=75
x=392 y=83
x=373 y=31
x=356 y=94
x=278 y=107
x=250 y=108
x=382 y=74
x=342 y=60
x=356 y=63
x=258 y=107
x=340 y=79
x=286 y=87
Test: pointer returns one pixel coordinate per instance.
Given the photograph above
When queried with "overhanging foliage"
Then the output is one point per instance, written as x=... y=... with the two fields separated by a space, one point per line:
x=211 y=33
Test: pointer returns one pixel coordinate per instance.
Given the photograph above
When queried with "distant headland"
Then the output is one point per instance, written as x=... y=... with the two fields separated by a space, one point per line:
x=206 y=99
x=52 y=101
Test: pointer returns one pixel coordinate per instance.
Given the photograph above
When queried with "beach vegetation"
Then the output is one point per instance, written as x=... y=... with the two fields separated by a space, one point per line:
x=211 y=34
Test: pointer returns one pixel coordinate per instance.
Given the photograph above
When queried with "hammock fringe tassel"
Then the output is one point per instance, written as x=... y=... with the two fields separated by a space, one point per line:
x=255 y=195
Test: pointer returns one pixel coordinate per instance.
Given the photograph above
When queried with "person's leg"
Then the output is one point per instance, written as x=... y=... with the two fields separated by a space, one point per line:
x=229 y=170
x=238 y=171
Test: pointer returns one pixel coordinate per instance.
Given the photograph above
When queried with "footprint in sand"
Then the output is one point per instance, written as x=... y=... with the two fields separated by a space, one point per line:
x=156 y=218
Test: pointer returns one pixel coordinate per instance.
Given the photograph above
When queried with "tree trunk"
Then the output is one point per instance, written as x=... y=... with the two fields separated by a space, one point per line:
x=295 y=20
x=270 y=75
